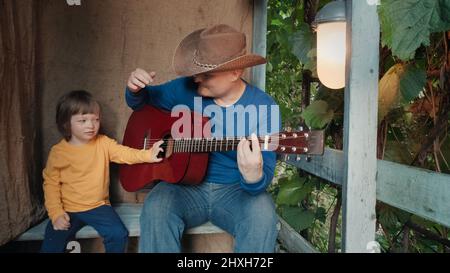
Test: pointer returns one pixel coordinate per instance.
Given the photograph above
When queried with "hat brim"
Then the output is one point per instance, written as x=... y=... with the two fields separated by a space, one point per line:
x=183 y=59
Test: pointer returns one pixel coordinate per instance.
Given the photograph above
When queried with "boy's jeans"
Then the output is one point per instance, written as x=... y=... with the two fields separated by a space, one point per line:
x=169 y=209
x=103 y=219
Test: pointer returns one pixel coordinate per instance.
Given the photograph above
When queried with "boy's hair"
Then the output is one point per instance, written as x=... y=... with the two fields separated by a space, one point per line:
x=73 y=103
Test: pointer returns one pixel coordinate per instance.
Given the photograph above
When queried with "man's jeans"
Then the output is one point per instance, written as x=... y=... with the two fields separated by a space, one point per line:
x=169 y=209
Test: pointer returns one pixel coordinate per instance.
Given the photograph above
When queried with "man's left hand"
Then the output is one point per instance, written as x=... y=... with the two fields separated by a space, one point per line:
x=250 y=161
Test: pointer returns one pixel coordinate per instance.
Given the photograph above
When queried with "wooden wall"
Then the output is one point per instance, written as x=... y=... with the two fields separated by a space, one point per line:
x=96 y=45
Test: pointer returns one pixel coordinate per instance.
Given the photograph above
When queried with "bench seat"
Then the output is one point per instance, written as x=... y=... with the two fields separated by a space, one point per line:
x=128 y=212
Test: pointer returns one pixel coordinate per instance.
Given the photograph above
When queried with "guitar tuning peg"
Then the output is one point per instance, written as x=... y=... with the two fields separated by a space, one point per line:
x=308 y=158
x=298 y=158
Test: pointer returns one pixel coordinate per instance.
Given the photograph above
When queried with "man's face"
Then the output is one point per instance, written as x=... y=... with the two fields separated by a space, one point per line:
x=214 y=84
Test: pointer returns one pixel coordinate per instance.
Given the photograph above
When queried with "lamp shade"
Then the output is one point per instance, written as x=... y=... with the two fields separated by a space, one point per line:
x=331 y=49
x=331 y=30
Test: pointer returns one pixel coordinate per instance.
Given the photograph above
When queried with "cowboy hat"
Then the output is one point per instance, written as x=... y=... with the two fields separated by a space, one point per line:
x=213 y=49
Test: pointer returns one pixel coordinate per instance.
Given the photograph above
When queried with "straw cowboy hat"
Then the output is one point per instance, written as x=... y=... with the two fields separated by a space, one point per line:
x=213 y=49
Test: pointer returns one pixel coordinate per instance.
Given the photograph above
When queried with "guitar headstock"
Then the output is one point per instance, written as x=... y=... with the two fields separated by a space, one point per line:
x=302 y=142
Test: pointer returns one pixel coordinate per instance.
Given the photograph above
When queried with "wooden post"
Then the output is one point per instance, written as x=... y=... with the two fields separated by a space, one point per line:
x=259 y=41
x=360 y=126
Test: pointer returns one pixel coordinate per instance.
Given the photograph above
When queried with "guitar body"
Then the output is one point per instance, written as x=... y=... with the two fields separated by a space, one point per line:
x=187 y=143
x=156 y=124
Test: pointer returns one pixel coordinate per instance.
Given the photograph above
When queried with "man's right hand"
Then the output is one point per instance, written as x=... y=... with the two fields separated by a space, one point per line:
x=139 y=79
x=62 y=222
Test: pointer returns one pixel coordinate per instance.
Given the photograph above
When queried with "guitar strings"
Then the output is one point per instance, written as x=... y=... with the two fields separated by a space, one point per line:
x=223 y=146
x=196 y=141
x=154 y=140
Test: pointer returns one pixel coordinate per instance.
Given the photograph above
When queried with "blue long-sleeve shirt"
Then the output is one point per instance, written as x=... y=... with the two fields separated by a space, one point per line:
x=255 y=107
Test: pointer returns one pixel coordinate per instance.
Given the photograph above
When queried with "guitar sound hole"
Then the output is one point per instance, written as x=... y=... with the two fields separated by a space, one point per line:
x=167 y=147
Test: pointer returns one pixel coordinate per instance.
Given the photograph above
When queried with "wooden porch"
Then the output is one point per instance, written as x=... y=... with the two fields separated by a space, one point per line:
x=362 y=178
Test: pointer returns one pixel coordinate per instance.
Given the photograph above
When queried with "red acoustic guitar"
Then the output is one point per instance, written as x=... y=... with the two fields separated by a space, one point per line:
x=185 y=159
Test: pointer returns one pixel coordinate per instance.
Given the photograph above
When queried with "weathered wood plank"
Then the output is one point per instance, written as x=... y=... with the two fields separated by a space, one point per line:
x=418 y=191
x=329 y=166
x=360 y=127
x=421 y=192
x=206 y=228
x=292 y=241
x=259 y=41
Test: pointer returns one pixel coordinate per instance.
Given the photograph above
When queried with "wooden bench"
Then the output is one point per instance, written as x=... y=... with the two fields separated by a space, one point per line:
x=129 y=213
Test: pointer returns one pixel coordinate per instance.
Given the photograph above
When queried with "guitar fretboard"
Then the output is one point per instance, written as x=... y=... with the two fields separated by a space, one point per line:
x=203 y=145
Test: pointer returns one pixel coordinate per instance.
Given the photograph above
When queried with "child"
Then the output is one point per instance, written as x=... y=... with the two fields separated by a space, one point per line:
x=76 y=178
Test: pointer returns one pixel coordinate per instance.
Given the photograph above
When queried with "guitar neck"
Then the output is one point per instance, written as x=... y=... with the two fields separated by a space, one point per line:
x=310 y=142
x=202 y=145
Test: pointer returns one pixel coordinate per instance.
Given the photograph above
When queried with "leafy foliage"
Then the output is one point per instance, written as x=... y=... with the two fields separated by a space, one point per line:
x=411 y=96
x=412 y=83
x=389 y=90
x=317 y=114
x=303 y=47
x=407 y=24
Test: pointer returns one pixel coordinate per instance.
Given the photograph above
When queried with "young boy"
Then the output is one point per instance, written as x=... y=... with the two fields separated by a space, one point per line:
x=76 y=178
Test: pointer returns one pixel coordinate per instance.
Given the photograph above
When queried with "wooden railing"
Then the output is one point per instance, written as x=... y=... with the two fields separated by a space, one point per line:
x=418 y=191
x=421 y=192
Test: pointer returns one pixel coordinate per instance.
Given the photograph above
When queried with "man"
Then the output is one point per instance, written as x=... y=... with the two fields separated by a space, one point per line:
x=232 y=195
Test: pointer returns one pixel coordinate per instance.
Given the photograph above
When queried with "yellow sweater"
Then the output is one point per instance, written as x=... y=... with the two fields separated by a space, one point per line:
x=76 y=178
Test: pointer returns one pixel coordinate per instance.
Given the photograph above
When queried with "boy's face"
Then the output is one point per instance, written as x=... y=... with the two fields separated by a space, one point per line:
x=84 y=127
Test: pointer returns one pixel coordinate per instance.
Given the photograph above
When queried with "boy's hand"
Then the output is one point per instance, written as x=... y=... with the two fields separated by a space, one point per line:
x=62 y=222
x=139 y=79
x=155 y=151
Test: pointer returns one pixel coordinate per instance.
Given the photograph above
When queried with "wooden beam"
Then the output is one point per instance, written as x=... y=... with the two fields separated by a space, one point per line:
x=360 y=127
x=329 y=166
x=293 y=241
x=422 y=192
x=418 y=191
x=259 y=41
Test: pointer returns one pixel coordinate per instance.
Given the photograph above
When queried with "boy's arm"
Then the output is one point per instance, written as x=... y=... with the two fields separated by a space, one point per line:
x=52 y=188
x=125 y=155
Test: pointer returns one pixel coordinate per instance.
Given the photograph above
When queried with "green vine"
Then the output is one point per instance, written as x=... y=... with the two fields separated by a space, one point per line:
x=414 y=103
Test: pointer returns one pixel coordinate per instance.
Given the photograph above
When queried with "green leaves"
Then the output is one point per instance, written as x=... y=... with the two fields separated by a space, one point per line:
x=401 y=83
x=389 y=90
x=412 y=83
x=391 y=217
x=293 y=191
x=302 y=43
x=317 y=114
x=297 y=218
x=407 y=24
